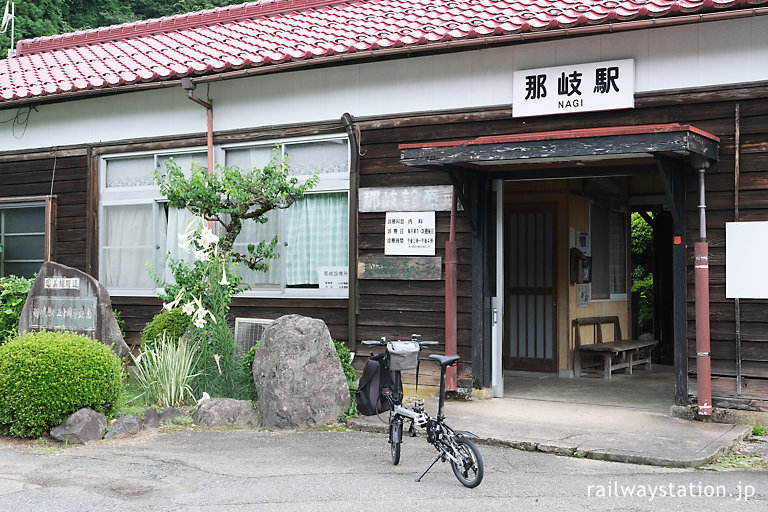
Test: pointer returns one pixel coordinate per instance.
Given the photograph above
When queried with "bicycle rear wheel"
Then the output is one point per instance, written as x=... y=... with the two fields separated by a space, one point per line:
x=469 y=470
x=395 y=439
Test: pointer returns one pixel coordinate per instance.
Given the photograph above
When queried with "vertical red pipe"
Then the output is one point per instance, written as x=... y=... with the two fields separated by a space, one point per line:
x=450 y=299
x=701 y=277
x=209 y=134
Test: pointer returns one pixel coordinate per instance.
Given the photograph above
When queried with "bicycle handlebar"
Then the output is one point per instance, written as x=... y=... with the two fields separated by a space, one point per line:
x=383 y=343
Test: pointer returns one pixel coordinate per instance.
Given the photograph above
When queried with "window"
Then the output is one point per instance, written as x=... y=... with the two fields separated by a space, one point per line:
x=314 y=231
x=23 y=235
x=609 y=253
x=139 y=229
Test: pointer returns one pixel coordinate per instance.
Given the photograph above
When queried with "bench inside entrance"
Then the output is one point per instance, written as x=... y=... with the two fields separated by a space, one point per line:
x=608 y=356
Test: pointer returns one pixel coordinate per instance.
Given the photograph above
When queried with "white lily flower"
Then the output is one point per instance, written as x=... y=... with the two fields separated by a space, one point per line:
x=199 y=322
x=184 y=242
x=224 y=281
x=201 y=255
x=168 y=305
x=207 y=237
x=188 y=308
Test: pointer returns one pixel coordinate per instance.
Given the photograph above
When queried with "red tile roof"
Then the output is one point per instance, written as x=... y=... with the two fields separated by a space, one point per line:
x=279 y=34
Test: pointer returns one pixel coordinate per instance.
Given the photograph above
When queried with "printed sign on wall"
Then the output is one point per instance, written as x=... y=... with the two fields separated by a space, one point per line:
x=578 y=88
x=409 y=234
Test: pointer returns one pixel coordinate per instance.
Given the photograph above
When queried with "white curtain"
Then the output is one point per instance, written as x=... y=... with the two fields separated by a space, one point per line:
x=178 y=223
x=316 y=233
x=254 y=233
x=129 y=245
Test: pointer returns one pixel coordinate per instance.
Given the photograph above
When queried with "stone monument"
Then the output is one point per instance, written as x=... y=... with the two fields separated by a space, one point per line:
x=66 y=299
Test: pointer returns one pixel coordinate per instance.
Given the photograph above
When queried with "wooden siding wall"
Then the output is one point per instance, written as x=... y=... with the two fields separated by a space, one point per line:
x=31 y=175
x=418 y=305
x=720 y=119
x=398 y=308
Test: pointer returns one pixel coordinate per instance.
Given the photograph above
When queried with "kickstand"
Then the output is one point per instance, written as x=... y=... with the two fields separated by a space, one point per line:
x=430 y=467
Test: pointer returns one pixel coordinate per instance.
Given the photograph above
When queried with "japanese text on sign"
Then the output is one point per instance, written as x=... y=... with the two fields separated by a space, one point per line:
x=578 y=88
x=62 y=283
x=409 y=234
x=333 y=277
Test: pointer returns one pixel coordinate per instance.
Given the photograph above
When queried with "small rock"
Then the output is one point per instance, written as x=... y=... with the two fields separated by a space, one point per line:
x=220 y=412
x=168 y=414
x=151 y=418
x=124 y=426
x=82 y=426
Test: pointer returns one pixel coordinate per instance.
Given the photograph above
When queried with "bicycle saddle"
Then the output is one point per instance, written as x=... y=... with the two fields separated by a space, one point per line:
x=444 y=360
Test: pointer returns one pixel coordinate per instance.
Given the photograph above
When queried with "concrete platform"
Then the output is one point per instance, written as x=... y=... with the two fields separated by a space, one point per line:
x=626 y=419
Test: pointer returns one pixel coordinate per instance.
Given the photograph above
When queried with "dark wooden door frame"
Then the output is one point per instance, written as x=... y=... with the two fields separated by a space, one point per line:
x=533 y=364
x=673 y=176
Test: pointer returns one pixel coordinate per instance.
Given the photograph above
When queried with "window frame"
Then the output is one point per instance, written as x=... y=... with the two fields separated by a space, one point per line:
x=624 y=213
x=115 y=196
x=326 y=184
x=48 y=202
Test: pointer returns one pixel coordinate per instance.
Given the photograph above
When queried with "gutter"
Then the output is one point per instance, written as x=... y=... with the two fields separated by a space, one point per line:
x=352 y=302
x=373 y=55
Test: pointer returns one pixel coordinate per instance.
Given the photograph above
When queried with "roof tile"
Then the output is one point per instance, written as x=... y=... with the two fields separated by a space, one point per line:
x=278 y=31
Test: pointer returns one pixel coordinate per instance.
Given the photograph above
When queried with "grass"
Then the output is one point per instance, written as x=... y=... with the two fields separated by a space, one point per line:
x=132 y=400
x=738 y=462
x=758 y=430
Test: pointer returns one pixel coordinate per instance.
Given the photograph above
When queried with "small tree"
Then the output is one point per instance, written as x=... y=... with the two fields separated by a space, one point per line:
x=230 y=196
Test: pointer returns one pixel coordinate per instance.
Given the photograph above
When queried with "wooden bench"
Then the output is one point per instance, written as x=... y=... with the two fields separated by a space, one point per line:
x=616 y=355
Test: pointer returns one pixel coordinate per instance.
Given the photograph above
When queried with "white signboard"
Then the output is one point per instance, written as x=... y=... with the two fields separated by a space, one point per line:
x=746 y=271
x=333 y=277
x=409 y=234
x=578 y=88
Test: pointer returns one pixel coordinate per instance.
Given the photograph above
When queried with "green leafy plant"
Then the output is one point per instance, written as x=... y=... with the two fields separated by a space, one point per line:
x=46 y=376
x=13 y=295
x=120 y=322
x=230 y=195
x=758 y=430
x=164 y=371
x=247 y=386
x=345 y=356
x=173 y=324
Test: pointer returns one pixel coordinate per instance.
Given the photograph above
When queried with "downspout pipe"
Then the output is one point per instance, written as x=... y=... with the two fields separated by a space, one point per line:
x=451 y=263
x=189 y=86
x=354 y=167
x=701 y=277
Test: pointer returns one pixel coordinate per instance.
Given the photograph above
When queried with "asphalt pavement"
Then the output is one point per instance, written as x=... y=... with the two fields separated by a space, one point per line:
x=209 y=470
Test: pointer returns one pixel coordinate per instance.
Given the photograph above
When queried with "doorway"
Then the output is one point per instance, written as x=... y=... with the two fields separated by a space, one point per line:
x=530 y=287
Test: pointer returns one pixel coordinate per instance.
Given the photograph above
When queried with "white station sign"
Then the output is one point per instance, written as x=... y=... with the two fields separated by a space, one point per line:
x=589 y=87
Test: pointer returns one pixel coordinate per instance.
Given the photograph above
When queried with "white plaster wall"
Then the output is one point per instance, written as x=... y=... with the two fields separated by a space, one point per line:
x=727 y=52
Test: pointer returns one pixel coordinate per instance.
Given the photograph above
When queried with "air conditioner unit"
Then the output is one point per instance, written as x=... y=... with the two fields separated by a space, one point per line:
x=247 y=332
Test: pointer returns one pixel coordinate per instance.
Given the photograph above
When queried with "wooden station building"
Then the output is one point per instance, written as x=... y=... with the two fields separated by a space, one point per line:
x=507 y=140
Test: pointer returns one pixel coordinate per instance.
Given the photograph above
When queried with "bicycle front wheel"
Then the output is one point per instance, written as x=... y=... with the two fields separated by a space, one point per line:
x=469 y=469
x=395 y=439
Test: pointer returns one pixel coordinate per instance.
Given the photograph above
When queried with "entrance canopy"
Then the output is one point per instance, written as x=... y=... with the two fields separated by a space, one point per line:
x=555 y=154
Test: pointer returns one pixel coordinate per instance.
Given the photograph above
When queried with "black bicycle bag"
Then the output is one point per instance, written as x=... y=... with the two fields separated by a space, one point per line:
x=379 y=387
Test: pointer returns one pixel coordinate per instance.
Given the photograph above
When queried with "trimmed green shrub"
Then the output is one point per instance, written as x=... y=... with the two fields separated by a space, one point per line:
x=173 y=323
x=46 y=376
x=13 y=295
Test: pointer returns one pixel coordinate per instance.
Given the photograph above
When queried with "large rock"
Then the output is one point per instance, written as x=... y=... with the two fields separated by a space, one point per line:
x=298 y=375
x=64 y=298
x=82 y=426
x=221 y=412
x=125 y=426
